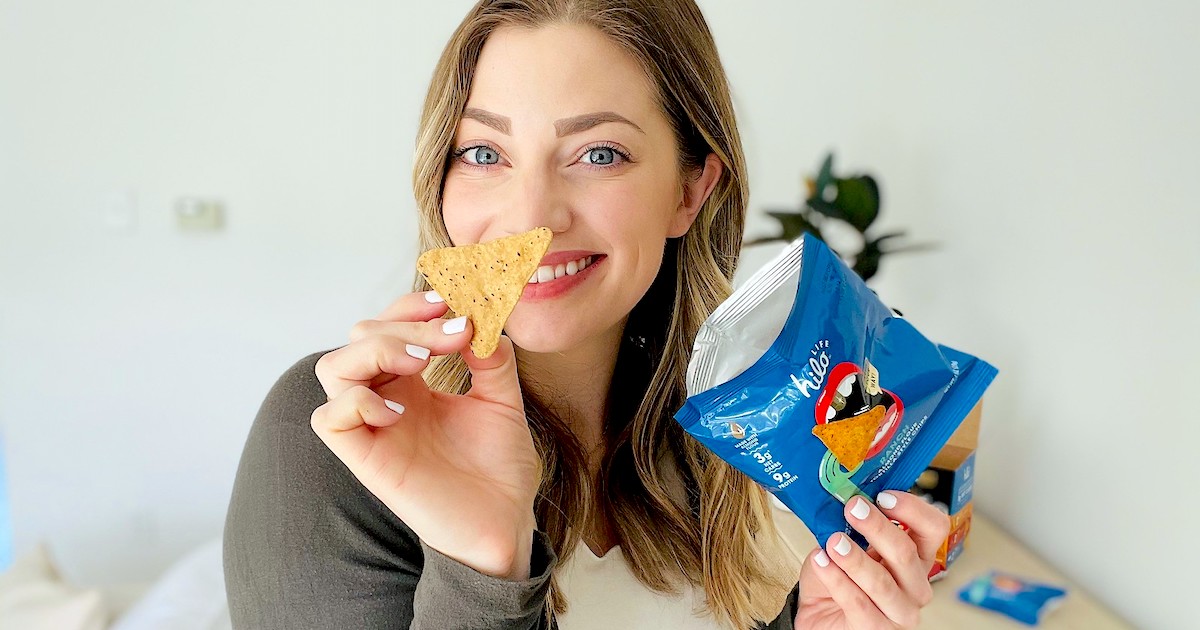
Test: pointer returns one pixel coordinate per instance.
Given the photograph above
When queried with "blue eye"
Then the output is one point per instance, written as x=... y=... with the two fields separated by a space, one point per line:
x=484 y=155
x=481 y=156
x=601 y=156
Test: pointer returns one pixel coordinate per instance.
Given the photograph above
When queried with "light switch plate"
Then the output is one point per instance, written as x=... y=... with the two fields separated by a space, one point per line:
x=199 y=215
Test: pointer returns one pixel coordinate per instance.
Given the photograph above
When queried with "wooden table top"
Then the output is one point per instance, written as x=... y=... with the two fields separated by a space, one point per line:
x=988 y=548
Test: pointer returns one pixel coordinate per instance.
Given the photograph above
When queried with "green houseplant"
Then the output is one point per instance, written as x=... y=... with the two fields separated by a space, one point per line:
x=853 y=200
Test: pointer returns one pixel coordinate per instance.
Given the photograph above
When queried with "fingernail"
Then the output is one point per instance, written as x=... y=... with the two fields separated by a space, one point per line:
x=821 y=559
x=455 y=326
x=843 y=545
x=394 y=406
x=416 y=352
x=860 y=509
x=886 y=500
x=433 y=298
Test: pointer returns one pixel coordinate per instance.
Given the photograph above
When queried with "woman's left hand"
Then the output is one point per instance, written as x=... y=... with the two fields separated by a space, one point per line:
x=886 y=586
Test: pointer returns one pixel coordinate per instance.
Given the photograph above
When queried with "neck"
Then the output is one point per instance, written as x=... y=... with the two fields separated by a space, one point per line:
x=575 y=383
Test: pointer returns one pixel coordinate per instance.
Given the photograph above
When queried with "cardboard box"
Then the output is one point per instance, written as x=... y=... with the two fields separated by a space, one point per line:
x=950 y=484
x=955 y=543
x=953 y=472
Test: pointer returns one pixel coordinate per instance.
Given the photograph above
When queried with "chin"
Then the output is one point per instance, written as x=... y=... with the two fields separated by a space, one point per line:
x=546 y=332
x=541 y=339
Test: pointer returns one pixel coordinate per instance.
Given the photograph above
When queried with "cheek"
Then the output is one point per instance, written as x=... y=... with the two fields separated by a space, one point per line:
x=636 y=211
x=624 y=209
x=460 y=211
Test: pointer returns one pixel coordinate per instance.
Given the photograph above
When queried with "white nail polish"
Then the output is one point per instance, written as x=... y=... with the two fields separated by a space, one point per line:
x=821 y=559
x=455 y=326
x=394 y=406
x=416 y=352
x=433 y=298
x=860 y=509
x=843 y=545
x=886 y=500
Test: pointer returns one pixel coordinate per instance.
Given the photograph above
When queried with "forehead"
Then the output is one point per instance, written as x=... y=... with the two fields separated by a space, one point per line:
x=556 y=71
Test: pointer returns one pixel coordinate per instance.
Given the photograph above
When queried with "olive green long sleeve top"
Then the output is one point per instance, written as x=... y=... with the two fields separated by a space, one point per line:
x=307 y=546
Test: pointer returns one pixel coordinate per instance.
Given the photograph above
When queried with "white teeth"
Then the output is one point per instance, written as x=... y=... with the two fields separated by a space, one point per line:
x=847 y=385
x=830 y=414
x=546 y=273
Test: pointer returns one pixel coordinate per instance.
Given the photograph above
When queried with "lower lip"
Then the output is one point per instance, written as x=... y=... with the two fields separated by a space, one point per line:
x=559 y=286
x=883 y=430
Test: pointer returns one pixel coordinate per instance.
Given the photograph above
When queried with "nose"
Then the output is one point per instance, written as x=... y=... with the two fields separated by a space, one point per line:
x=536 y=199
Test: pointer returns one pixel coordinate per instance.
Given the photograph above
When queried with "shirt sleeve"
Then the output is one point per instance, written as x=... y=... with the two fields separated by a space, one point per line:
x=493 y=602
x=307 y=546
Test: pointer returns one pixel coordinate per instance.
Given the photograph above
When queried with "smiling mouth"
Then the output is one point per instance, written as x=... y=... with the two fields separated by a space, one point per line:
x=550 y=273
x=847 y=395
x=892 y=418
x=850 y=400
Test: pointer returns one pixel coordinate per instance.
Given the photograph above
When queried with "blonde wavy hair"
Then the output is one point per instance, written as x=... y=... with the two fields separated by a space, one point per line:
x=717 y=532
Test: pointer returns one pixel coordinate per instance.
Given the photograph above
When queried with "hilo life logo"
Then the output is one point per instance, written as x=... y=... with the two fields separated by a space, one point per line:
x=812 y=374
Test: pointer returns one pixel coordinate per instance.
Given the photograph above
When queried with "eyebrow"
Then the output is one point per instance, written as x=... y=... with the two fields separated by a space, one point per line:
x=563 y=127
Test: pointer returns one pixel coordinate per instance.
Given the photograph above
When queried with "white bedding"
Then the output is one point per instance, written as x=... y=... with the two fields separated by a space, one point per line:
x=190 y=595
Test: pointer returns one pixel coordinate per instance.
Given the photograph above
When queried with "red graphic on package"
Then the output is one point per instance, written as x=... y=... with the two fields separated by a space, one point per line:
x=855 y=417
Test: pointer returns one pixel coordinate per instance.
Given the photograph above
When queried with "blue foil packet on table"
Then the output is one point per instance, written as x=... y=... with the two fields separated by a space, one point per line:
x=1018 y=598
x=806 y=382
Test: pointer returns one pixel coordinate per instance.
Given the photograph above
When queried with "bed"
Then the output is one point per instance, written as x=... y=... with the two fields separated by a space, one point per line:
x=190 y=595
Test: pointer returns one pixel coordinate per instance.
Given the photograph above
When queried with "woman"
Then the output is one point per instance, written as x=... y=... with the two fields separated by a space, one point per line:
x=401 y=480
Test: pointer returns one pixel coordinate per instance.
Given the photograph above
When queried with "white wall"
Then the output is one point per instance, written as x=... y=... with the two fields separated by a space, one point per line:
x=1049 y=148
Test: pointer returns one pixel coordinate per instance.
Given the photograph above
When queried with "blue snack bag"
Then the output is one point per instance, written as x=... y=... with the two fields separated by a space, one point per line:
x=805 y=381
x=1020 y=599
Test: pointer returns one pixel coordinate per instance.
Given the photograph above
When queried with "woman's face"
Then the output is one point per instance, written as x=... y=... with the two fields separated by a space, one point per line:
x=562 y=130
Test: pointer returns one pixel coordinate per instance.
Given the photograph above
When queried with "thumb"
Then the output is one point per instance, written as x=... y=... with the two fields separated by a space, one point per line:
x=495 y=378
x=811 y=586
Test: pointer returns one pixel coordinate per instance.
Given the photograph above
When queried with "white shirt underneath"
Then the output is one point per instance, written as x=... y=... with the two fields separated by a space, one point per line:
x=602 y=593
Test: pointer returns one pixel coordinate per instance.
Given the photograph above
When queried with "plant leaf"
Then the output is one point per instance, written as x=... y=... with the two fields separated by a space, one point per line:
x=816 y=190
x=794 y=224
x=866 y=264
x=918 y=247
x=858 y=201
x=824 y=176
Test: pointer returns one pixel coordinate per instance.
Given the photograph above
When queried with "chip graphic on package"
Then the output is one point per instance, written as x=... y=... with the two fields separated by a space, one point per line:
x=484 y=281
x=849 y=440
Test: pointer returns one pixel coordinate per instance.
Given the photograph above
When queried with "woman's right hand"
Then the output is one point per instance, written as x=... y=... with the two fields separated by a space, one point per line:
x=460 y=470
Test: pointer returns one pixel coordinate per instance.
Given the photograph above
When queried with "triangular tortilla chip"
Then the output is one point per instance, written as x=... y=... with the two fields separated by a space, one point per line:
x=849 y=440
x=484 y=281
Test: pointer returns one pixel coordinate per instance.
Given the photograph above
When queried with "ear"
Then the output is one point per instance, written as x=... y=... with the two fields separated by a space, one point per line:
x=695 y=192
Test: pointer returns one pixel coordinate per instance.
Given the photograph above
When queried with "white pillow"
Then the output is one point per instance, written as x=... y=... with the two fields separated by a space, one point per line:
x=34 y=597
x=189 y=596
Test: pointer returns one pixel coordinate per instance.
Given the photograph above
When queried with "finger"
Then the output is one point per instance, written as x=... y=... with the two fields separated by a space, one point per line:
x=414 y=307
x=860 y=611
x=376 y=359
x=874 y=580
x=897 y=551
x=434 y=335
x=495 y=378
x=346 y=424
x=927 y=525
